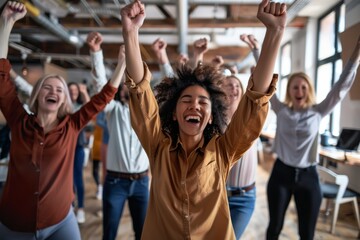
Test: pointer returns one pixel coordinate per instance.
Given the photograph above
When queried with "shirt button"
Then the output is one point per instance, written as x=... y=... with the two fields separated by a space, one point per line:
x=41 y=143
x=182 y=182
x=36 y=193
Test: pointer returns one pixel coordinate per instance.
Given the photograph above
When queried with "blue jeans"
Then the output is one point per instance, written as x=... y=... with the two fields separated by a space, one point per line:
x=241 y=210
x=115 y=193
x=66 y=229
x=78 y=175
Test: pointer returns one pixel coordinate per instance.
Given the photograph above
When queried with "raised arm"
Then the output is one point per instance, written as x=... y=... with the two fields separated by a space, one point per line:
x=94 y=41
x=120 y=68
x=217 y=61
x=200 y=47
x=182 y=59
x=273 y=16
x=132 y=17
x=159 y=48
x=21 y=83
x=253 y=44
x=84 y=94
x=12 y=12
x=343 y=85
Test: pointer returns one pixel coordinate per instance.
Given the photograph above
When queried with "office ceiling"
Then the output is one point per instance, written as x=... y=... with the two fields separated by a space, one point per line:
x=55 y=30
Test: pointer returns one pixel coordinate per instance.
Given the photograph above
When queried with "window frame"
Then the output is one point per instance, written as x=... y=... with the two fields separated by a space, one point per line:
x=331 y=59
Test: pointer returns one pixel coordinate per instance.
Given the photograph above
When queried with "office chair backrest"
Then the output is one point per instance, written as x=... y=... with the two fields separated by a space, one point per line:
x=328 y=176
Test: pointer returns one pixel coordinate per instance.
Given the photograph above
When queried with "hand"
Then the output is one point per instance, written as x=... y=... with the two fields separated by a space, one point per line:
x=217 y=61
x=200 y=46
x=159 y=48
x=13 y=11
x=132 y=16
x=272 y=15
x=82 y=88
x=183 y=58
x=94 y=40
x=250 y=40
x=159 y=45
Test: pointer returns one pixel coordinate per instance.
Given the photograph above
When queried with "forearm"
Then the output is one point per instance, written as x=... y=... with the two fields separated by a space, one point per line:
x=264 y=69
x=98 y=69
x=22 y=84
x=255 y=53
x=118 y=73
x=85 y=97
x=5 y=29
x=197 y=58
x=166 y=70
x=134 y=62
x=163 y=58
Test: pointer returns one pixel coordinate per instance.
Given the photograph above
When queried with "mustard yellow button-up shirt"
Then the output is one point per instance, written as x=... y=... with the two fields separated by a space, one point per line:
x=188 y=197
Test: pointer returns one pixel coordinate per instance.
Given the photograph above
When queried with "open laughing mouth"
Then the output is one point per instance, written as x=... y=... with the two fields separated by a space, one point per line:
x=192 y=119
x=51 y=100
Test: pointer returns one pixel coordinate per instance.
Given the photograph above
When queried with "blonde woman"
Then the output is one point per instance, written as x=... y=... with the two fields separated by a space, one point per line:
x=296 y=142
x=38 y=194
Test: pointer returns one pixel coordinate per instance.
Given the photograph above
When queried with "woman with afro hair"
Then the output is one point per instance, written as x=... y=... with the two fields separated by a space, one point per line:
x=182 y=132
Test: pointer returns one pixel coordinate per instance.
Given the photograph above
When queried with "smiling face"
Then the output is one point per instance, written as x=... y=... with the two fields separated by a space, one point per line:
x=233 y=90
x=74 y=92
x=51 y=95
x=193 y=112
x=299 y=92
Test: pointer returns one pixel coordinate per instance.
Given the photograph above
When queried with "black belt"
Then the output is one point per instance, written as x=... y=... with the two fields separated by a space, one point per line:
x=240 y=191
x=131 y=176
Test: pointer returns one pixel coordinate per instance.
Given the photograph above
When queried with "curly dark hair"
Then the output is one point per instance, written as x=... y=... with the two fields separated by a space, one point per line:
x=170 y=89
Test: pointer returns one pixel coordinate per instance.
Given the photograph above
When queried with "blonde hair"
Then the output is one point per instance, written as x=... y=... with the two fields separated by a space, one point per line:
x=240 y=84
x=311 y=93
x=65 y=108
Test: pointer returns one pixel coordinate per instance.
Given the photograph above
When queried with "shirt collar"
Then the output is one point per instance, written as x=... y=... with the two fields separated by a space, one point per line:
x=178 y=144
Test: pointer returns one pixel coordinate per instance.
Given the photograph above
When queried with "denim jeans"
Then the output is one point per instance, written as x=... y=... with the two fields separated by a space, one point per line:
x=66 y=229
x=115 y=193
x=78 y=175
x=241 y=210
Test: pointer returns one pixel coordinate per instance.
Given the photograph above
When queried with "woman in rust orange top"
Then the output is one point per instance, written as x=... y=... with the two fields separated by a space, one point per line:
x=37 y=196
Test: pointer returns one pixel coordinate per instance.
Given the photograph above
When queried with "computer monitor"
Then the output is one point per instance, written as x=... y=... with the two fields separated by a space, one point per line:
x=349 y=139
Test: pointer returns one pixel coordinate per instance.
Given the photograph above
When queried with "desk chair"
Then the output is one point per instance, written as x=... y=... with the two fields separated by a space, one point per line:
x=334 y=188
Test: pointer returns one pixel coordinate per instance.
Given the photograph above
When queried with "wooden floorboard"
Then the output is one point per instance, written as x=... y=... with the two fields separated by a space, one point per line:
x=345 y=228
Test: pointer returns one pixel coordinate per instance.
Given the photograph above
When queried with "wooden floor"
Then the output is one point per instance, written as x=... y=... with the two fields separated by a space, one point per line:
x=345 y=227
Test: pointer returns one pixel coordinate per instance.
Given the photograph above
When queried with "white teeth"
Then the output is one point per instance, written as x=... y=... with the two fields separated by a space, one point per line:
x=188 y=118
x=51 y=99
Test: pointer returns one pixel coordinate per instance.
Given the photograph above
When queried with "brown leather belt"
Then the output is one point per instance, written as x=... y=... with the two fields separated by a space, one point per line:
x=130 y=176
x=240 y=191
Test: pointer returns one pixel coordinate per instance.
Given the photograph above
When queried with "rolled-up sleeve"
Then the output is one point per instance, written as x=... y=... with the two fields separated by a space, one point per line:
x=144 y=111
x=247 y=121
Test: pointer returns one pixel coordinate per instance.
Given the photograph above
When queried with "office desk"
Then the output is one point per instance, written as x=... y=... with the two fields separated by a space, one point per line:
x=339 y=156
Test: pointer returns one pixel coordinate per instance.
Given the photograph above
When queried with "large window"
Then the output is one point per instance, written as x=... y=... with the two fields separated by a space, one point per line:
x=285 y=69
x=329 y=65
